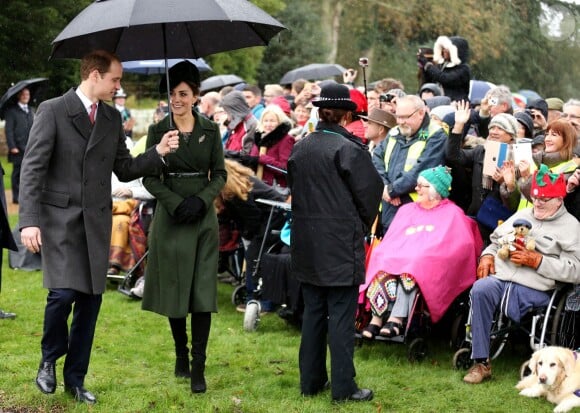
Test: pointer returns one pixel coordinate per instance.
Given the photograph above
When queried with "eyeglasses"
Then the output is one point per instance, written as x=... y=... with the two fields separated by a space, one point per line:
x=568 y=115
x=423 y=186
x=406 y=117
x=542 y=201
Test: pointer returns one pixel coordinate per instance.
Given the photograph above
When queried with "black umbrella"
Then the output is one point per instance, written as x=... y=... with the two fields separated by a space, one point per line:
x=219 y=81
x=313 y=71
x=34 y=85
x=157 y=67
x=157 y=29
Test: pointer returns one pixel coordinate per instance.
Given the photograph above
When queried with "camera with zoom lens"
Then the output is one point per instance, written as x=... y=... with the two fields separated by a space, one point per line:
x=425 y=52
x=386 y=97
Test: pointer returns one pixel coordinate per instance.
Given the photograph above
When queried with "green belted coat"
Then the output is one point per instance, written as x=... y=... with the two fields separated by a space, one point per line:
x=181 y=272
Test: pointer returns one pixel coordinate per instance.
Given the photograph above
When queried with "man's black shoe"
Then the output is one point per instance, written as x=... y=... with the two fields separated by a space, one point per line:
x=361 y=395
x=81 y=394
x=46 y=377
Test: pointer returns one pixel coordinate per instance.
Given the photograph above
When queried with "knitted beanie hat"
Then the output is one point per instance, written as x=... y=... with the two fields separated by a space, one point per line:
x=440 y=178
x=506 y=122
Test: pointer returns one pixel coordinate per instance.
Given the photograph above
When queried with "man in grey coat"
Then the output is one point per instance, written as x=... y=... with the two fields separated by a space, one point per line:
x=76 y=142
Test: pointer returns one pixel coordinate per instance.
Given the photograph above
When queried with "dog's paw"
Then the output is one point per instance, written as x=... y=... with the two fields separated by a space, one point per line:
x=531 y=392
x=567 y=404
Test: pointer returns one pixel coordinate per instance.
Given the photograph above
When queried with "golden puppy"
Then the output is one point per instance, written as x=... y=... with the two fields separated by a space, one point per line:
x=555 y=375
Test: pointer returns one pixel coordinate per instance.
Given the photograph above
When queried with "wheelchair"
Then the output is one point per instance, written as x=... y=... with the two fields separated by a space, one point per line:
x=552 y=325
x=418 y=326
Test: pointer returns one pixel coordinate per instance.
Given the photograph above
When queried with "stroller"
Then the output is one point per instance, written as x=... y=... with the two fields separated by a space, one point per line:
x=138 y=228
x=270 y=245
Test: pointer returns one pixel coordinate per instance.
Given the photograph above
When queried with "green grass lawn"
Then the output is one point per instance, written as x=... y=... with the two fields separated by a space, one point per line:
x=132 y=366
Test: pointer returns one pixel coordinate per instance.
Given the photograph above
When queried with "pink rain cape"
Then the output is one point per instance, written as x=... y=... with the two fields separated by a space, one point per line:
x=438 y=246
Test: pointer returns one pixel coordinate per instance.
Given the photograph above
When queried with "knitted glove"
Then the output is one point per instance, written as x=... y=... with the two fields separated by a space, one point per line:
x=486 y=266
x=523 y=256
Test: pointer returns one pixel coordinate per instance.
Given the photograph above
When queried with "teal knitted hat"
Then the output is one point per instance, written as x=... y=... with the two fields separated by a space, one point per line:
x=440 y=178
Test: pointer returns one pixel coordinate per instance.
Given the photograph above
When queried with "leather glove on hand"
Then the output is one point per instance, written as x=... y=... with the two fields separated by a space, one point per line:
x=523 y=256
x=486 y=266
x=189 y=210
x=421 y=61
x=249 y=161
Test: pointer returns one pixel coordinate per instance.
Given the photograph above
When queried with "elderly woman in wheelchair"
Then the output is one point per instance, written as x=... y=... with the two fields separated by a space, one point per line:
x=432 y=246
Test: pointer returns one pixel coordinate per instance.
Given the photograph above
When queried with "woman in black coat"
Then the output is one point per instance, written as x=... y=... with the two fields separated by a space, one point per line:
x=449 y=67
x=336 y=193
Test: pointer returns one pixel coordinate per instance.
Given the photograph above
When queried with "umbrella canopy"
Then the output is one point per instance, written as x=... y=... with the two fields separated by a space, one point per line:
x=530 y=94
x=219 y=81
x=477 y=90
x=34 y=85
x=314 y=71
x=154 y=29
x=157 y=67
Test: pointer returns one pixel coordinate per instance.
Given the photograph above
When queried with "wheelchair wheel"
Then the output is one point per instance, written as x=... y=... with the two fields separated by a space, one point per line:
x=499 y=336
x=239 y=295
x=417 y=350
x=558 y=324
x=462 y=359
x=252 y=315
x=525 y=369
x=458 y=331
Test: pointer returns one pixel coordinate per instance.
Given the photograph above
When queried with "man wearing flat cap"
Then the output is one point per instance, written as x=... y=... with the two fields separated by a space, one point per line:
x=524 y=279
x=335 y=197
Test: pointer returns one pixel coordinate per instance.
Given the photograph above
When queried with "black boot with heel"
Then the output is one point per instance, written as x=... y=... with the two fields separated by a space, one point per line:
x=200 y=326
x=178 y=329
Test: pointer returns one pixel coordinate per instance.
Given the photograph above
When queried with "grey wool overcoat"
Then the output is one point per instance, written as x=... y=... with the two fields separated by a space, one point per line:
x=65 y=188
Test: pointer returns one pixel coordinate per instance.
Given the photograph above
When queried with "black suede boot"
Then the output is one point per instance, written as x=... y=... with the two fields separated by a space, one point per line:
x=200 y=326
x=179 y=332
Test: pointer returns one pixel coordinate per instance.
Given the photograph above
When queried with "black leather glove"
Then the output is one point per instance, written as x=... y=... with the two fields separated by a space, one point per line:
x=421 y=61
x=189 y=210
x=235 y=155
x=249 y=161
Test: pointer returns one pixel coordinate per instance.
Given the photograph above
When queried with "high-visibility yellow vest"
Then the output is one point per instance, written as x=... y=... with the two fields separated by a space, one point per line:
x=414 y=152
x=561 y=168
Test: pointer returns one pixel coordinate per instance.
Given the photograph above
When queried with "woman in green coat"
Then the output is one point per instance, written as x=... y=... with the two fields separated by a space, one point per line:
x=182 y=266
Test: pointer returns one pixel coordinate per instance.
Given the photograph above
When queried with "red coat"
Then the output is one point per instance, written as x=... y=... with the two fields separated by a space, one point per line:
x=278 y=144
